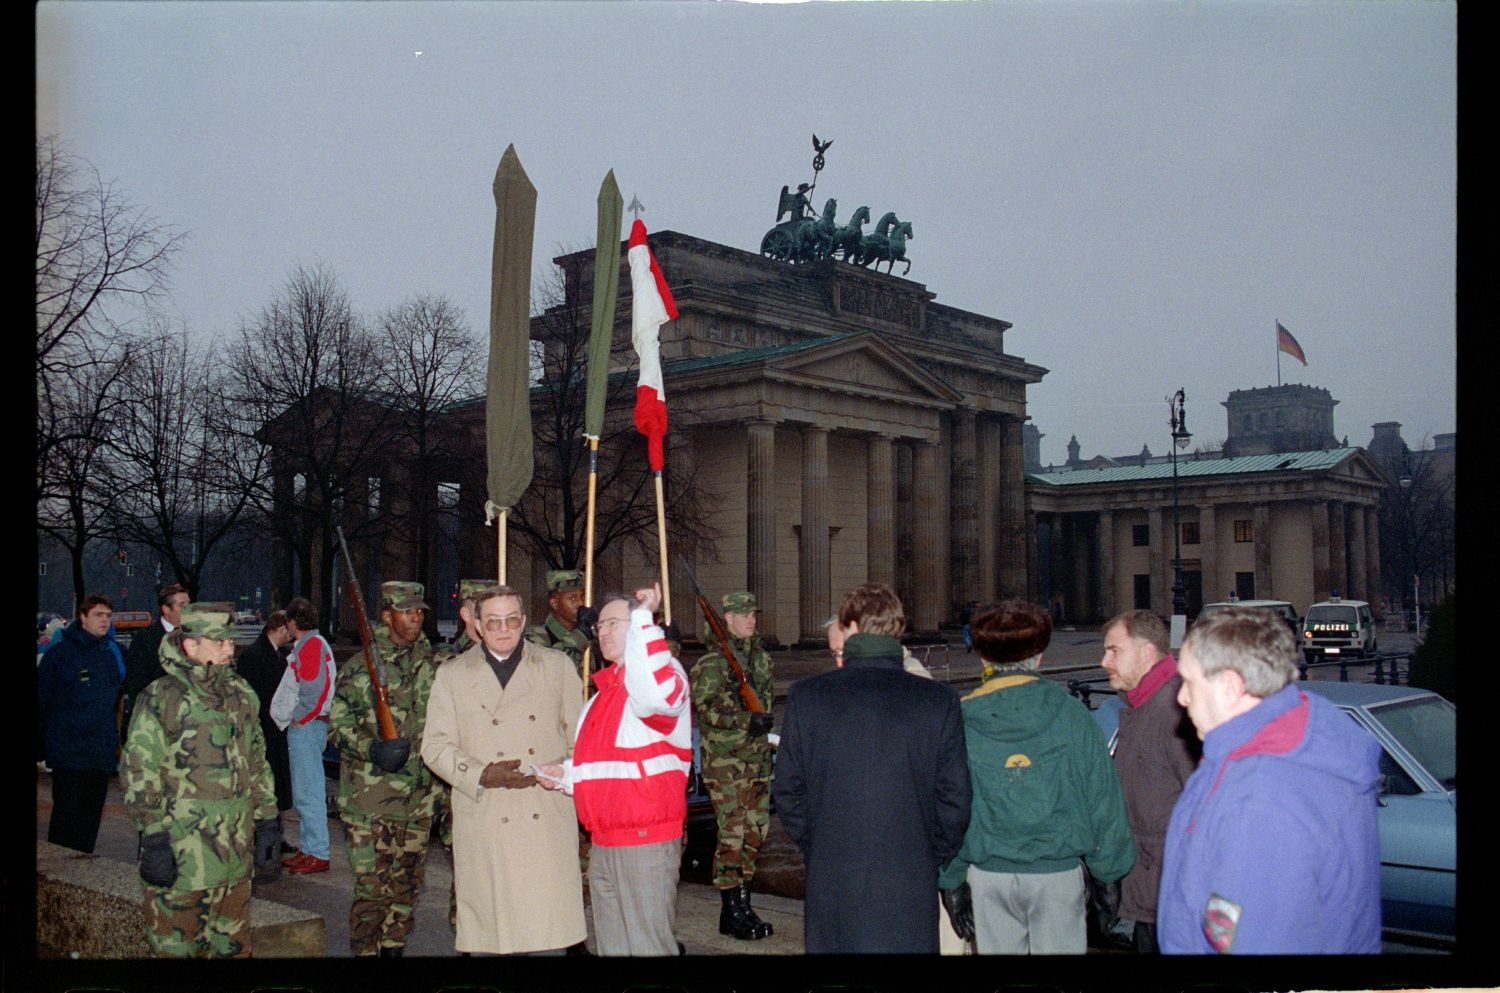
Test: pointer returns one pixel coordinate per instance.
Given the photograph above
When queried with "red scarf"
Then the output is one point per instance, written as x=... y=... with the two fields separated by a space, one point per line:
x=1161 y=674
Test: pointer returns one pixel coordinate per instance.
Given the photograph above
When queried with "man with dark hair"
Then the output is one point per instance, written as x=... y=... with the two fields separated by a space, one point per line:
x=560 y=630
x=872 y=608
x=872 y=773
x=141 y=662
x=1273 y=846
x=77 y=684
x=311 y=662
x=262 y=665
x=1155 y=753
x=1046 y=799
x=496 y=710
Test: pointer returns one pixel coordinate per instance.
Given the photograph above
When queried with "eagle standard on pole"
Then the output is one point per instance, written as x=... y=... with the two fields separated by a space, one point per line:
x=507 y=407
x=601 y=334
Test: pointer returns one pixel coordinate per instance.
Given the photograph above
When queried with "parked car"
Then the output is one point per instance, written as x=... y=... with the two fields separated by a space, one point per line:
x=1280 y=607
x=1339 y=628
x=1418 y=797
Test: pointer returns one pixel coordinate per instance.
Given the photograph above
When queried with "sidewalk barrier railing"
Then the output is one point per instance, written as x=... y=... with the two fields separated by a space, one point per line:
x=1390 y=668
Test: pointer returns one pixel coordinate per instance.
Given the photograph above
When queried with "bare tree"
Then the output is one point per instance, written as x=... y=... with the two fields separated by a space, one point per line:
x=552 y=515
x=430 y=360
x=74 y=494
x=1417 y=524
x=305 y=371
x=177 y=477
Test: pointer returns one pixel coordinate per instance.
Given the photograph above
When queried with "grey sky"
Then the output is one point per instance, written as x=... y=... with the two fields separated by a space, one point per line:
x=1141 y=188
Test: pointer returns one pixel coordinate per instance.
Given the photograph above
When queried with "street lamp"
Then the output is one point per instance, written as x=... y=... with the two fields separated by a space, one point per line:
x=1177 y=418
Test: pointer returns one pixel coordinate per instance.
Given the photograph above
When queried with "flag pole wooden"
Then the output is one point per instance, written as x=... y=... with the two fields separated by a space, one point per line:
x=661 y=544
x=588 y=554
x=500 y=544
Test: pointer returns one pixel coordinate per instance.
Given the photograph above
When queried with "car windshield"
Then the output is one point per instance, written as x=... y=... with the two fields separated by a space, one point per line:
x=1332 y=615
x=1426 y=727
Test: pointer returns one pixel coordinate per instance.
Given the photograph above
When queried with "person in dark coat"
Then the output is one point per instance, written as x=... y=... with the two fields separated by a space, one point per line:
x=77 y=684
x=262 y=665
x=872 y=784
x=142 y=665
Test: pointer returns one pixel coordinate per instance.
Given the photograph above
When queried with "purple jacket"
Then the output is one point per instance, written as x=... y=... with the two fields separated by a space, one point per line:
x=1273 y=846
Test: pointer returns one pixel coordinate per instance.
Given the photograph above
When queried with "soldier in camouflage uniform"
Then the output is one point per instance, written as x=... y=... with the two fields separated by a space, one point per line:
x=199 y=790
x=561 y=630
x=387 y=795
x=736 y=761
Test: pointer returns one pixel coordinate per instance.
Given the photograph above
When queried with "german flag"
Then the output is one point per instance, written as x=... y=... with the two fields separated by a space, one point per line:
x=1286 y=343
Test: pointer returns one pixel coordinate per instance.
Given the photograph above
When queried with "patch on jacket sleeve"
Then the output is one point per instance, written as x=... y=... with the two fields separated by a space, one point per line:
x=1220 y=920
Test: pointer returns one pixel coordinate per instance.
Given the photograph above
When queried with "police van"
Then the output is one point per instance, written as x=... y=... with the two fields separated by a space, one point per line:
x=1338 y=628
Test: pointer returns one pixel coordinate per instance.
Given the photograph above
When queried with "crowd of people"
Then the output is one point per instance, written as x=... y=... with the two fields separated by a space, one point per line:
x=1232 y=812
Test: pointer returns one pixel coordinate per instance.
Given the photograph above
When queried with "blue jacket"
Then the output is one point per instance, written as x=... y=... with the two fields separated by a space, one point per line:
x=1273 y=846
x=77 y=684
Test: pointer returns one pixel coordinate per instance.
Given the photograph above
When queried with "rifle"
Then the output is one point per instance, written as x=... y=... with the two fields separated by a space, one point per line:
x=747 y=692
x=372 y=655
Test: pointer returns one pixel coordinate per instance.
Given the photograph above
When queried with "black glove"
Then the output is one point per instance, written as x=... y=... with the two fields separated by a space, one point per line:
x=1103 y=904
x=959 y=904
x=760 y=722
x=158 y=864
x=390 y=755
x=672 y=635
x=267 y=841
x=587 y=618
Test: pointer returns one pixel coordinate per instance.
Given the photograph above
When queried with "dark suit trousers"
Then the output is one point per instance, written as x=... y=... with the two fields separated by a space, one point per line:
x=77 y=807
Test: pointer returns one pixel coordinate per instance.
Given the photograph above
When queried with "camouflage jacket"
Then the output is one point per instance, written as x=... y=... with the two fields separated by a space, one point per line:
x=723 y=721
x=554 y=634
x=366 y=790
x=195 y=766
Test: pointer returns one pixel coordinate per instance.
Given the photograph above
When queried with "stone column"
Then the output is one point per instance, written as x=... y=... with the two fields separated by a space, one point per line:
x=1056 y=576
x=1321 y=572
x=1358 y=577
x=760 y=530
x=1011 y=522
x=964 y=497
x=1161 y=561
x=905 y=525
x=1082 y=587
x=1033 y=556
x=1208 y=554
x=813 y=565
x=880 y=512
x=1260 y=523
x=1106 y=596
x=1338 y=574
x=928 y=590
x=1372 y=557
x=988 y=459
x=476 y=543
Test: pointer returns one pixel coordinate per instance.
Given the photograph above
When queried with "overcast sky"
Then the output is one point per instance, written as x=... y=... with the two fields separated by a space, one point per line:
x=1142 y=189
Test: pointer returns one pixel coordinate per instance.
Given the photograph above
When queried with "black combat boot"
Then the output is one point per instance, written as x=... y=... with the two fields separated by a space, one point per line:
x=764 y=926
x=734 y=919
x=390 y=953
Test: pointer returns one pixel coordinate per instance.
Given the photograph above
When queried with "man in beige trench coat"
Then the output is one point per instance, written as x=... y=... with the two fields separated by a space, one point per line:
x=497 y=709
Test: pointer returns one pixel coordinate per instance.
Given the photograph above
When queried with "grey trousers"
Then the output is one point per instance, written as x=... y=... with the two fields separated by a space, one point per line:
x=1029 y=913
x=633 y=897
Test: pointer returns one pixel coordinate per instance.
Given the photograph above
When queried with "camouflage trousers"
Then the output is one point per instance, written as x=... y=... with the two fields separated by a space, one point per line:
x=386 y=857
x=211 y=923
x=743 y=810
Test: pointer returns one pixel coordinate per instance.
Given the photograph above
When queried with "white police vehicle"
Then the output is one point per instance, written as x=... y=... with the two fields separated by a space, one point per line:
x=1337 y=628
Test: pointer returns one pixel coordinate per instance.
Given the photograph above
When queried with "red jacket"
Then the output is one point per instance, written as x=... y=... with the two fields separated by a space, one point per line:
x=633 y=752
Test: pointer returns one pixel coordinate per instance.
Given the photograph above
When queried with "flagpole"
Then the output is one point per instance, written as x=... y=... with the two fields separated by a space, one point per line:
x=588 y=556
x=1278 y=351
x=661 y=544
x=500 y=543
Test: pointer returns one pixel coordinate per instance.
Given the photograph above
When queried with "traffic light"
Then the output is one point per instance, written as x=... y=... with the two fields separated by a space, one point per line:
x=121 y=554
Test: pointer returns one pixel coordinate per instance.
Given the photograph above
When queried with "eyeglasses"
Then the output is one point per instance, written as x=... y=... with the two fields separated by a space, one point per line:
x=510 y=622
x=612 y=622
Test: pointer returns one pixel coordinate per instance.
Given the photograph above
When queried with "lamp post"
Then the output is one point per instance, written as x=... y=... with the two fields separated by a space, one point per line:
x=1404 y=480
x=1177 y=418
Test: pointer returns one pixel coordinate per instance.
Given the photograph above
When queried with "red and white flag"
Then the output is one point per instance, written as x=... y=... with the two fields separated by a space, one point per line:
x=651 y=306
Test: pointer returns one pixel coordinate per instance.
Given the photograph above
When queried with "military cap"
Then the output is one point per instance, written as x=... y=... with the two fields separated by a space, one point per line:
x=740 y=603
x=208 y=620
x=559 y=580
x=467 y=588
x=400 y=595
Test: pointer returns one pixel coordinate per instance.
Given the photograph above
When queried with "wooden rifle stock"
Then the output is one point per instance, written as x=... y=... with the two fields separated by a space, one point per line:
x=747 y=692
x=367 y=638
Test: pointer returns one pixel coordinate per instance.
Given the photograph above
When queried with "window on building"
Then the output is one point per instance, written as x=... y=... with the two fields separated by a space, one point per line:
x=1142 y=591
x=1244 y=531
x=1244 y=585
x=1190 y=532
x=1140 y=535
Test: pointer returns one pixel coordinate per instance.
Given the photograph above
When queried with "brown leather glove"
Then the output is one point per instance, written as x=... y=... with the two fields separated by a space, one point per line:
x=505 y=775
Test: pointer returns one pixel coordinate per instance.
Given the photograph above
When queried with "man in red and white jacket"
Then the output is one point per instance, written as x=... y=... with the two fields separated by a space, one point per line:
x=311 y=664
x=628 y=777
